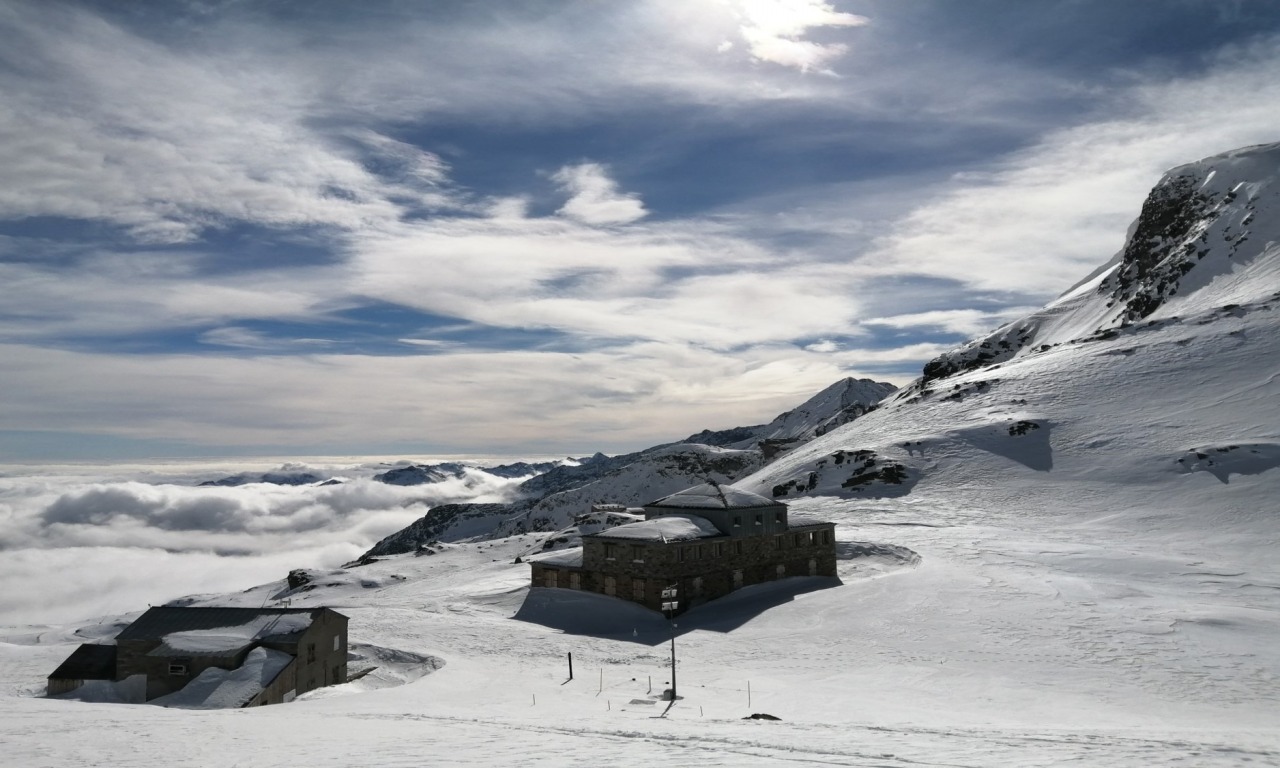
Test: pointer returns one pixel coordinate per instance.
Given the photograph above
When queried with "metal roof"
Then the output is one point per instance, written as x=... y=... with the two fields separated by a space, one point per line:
x=88 y=662
x=714 y=496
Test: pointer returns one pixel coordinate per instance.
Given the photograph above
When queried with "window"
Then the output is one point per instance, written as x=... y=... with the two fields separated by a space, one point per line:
x=337 y=642
x=813 y=537
x=610 y=551
x=737 y=547
x=777 y=518
x=311 y=653
x=826 y=537
x=637 y=553
x=697 y=552
x=717 y=549
x=681 y=554
x=777 y=542
x=795 y=539
x=177 y=669
x=737 y=521
x=759 y=519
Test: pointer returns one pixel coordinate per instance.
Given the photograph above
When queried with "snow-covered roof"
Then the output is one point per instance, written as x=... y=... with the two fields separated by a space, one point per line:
x=197 y=629
x=713 y=496
x=567 y=557
x=665 y=528
x=219 y=640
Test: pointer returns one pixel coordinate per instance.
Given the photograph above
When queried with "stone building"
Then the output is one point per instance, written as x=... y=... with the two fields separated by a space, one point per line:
x=706 y=541
x=295 y=650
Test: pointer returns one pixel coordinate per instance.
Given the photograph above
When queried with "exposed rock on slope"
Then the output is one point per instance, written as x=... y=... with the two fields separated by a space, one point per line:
x=1202 y=222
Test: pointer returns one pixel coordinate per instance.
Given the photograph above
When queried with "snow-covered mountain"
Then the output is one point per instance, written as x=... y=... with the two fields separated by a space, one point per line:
x=838 y=404
x=1161 y=361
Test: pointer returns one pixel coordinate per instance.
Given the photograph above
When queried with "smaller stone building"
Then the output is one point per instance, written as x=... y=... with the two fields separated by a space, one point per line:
x=168 y=647
x=706 y=541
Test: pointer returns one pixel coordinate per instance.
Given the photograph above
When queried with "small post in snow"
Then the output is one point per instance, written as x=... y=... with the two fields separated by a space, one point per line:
x=570 y=666
x=748 y=694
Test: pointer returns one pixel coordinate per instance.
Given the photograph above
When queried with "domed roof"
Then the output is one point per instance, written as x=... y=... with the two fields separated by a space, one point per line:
x=713 y=496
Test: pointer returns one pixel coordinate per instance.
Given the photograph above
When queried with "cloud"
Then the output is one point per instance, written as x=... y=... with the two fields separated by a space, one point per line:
x=965 y=322
x=594 y=197
x=773 y=30
x=1063 y=203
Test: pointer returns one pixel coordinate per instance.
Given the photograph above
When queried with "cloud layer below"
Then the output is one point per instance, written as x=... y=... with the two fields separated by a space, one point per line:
x=77 y=546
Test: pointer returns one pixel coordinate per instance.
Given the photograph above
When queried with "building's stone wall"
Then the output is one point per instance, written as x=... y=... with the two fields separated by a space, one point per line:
x=321 y=652
x=701 y=570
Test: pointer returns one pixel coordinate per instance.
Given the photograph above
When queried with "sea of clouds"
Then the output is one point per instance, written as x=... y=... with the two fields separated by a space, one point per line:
x=81 y=542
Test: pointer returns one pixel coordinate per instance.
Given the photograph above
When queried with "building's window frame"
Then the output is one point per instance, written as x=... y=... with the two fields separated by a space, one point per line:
x=178 y=670
x=778 y=542
x=610 y=551
x=637 y=553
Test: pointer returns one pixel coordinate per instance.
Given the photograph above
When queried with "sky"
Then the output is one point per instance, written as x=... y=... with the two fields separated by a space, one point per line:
x=288 y=227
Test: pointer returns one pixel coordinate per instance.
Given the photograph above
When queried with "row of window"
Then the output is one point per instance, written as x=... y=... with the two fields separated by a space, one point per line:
x=778 y=518
x=810 y=539
x=717 y=549
x=551 y=578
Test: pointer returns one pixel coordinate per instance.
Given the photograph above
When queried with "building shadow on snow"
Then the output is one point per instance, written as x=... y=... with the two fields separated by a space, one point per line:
x=588 y=613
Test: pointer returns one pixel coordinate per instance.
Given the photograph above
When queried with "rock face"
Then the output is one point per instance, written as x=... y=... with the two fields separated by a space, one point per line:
x=426 y=474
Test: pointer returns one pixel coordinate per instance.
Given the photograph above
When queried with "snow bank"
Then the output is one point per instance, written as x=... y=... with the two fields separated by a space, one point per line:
x=228 y=689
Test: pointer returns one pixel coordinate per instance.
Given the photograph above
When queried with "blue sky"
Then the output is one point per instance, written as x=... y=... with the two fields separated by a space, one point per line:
x=286 y=227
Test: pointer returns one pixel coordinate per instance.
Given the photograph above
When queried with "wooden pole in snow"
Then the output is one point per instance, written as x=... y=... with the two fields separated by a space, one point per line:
x=570 y=666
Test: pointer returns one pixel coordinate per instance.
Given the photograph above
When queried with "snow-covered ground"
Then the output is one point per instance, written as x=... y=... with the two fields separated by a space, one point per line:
x=1010 y=642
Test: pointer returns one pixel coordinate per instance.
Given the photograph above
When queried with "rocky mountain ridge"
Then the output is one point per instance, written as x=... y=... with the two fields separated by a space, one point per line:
x=555 y=499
